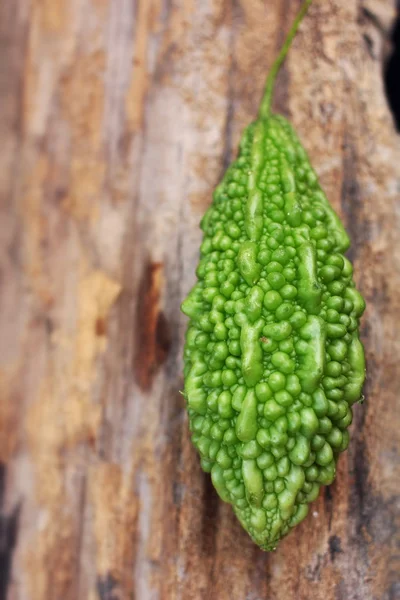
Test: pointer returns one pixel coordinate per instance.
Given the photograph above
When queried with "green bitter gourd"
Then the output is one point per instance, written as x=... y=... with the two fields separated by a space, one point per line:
x=273 y=359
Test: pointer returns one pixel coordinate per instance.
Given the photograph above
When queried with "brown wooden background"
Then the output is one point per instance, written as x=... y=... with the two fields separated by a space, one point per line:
x=117 y=120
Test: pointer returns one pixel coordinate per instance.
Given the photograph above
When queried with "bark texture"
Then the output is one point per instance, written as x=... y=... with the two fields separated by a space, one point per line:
x=118 y=118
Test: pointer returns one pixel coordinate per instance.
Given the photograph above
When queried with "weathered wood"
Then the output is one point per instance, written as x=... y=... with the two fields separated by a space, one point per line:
x=118 y=118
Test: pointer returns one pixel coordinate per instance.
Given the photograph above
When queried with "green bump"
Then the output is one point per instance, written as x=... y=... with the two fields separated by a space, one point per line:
x=294 y=482
x=301 y=451
x=246 y=424
x=238 y=397
x=288 y=181
x=299 y=515
x=320 y=403
x=217 y=477
x=312 y=363
x=286 y=501
x=247 y=263
x=309 y=422
x=263 y=392
x=197 y=400
x=277 y=381
x=276 y=280
x=310 y=291
x=254 y=303
x=252 y=366
x=325 y=455
x=272 y=410
x=253 y=482
x=341 y=238
x=272 y=300
x=356 y=376
x=357 y=300
x=258 y=519
x=278 y=331
x=335 y=330
x=293 y=209
x=251 y=449
x=195 y=394
x=225 y=408
x=281 y=361
x=192 y=307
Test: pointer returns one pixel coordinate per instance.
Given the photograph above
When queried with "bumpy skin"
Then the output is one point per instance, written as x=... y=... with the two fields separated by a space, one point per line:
x=273 y=360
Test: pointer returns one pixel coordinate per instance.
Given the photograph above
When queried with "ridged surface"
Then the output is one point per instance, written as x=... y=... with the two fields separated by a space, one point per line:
x=273 y=360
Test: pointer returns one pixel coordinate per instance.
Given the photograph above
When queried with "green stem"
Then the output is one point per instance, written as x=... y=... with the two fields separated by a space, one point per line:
x=265 y=107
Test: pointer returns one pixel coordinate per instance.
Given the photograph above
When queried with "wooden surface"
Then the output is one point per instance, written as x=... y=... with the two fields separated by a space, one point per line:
x=117 y=120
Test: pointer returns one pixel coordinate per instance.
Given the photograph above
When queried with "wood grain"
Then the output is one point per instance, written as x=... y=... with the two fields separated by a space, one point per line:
x=118 y=118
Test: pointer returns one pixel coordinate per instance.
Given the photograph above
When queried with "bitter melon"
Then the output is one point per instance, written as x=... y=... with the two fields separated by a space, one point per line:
x=273 y=359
